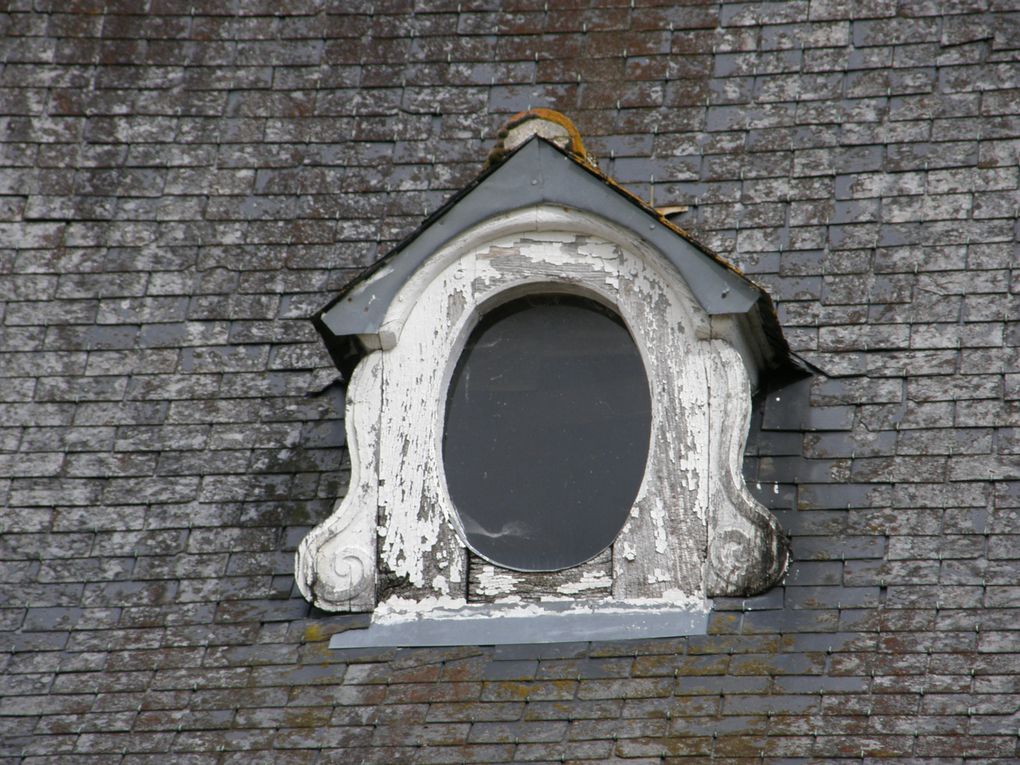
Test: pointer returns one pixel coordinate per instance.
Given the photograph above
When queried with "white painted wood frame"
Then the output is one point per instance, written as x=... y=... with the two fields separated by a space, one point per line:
x=693 y=531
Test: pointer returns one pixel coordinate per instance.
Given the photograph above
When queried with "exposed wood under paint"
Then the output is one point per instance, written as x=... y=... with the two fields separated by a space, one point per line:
x=488 y=582
x=690 y=507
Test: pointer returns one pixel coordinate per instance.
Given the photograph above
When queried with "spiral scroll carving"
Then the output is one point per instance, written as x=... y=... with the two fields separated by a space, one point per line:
x=352 y=567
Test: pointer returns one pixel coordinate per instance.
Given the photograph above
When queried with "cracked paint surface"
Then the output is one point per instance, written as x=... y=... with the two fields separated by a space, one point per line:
x=665 y=545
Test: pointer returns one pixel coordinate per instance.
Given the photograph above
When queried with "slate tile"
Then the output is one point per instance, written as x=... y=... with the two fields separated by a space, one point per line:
x=475 y=712
x=632 y=727
x=511 y=732
x=626 y=688
x=541 y=651
x=510 y=670
x=305 y=738
x=899 y=193
x=664 y=748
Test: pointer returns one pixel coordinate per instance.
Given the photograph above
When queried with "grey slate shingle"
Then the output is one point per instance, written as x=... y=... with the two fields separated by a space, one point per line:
x=180 y=189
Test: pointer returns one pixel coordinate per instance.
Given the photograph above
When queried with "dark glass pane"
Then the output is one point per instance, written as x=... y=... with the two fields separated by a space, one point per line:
x=547 y=430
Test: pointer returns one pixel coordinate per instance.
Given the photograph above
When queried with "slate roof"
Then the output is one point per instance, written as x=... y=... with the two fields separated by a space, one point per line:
x=184 y=182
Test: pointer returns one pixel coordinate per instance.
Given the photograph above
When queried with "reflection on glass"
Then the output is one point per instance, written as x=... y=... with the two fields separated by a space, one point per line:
x=547 y=429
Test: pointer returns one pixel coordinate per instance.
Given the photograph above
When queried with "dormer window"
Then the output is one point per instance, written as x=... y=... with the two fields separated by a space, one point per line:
x=549 y=393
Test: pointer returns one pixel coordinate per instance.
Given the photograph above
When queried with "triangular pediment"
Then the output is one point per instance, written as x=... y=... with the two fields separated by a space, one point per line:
x=540 y=173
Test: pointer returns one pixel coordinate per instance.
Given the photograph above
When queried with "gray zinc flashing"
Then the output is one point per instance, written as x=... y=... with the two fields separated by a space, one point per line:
x=493 y=624
x=537 y=173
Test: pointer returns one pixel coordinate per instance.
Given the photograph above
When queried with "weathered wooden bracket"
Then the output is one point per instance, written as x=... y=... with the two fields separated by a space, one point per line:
x=544 y=220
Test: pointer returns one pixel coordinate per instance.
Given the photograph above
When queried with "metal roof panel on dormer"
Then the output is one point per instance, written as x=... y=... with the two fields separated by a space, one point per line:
x=537 y=173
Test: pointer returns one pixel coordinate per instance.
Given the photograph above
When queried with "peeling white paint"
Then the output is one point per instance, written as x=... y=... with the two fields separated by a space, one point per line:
x=691 y=489
x=493 y=582
x=589 y=581
x=746 y=550
x=396 y=610
x=336 y=563
x=657 y=576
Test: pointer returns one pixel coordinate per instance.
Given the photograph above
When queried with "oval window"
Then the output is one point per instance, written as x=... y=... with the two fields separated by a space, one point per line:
x=548 y=420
